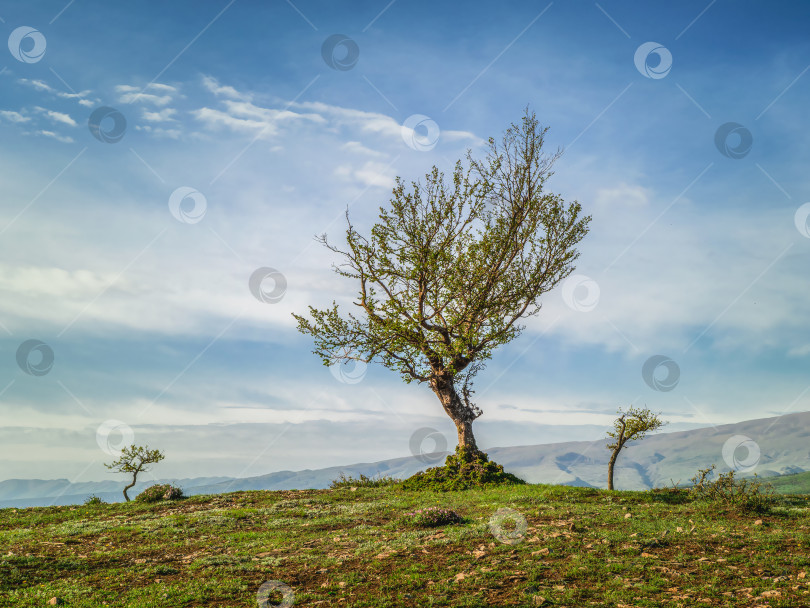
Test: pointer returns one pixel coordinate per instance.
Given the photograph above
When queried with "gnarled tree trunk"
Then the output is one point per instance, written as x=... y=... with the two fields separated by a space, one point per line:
x=134 y=478
x=461 y=415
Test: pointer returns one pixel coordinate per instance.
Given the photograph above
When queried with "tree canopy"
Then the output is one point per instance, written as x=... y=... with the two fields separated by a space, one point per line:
x=451 y=267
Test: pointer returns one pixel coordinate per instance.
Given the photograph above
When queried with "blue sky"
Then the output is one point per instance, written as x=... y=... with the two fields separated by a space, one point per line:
x=693 y=254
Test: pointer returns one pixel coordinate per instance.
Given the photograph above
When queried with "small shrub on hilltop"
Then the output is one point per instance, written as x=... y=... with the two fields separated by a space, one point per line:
x=94 y=500
x=362 y=482
x=744 y=494
x=464 y=470
x=432 y=517
x=158 y=492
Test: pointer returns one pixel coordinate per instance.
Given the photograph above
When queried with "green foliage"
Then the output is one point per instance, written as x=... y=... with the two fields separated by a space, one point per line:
x=94 y=500
x=672 y=496
x=135 y=458
x=432 y=517
x=159 y=492
x=746 y=495
x=633 y=424
x=452 y=266
x=465 y=469
x=363 y=481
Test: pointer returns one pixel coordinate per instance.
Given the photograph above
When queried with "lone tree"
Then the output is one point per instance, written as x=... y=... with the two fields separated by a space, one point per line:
x=629 y=426
x=451 y=267
x=134 y=459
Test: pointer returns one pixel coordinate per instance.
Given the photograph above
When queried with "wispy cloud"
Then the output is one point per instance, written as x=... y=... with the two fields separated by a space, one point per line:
x=55 y=116
x=159 y=95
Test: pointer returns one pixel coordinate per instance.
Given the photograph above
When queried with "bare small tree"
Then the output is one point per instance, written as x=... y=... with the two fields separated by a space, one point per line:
x=134 y=459
x=451 y=268
x=629 y=426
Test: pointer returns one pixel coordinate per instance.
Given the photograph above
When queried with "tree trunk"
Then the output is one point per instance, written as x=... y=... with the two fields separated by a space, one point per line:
x=134 y=476
x=458 y=411
x=612 y=462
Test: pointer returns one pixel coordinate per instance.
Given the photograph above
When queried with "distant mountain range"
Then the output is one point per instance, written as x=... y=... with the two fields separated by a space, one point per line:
x=659 y=460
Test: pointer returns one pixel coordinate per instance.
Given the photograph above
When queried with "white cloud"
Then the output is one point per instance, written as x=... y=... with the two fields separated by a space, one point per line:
x=161 y=116
x=370 y=174
x=40 y=85
x=160 y=131
x=374 y=122
x=358 y=148
x=799 y=351
x=622 y=195
x=12 y=116
x=131 y=94
x=245 y=117
x=212 y=84
x=59 y=117
x=56 y=136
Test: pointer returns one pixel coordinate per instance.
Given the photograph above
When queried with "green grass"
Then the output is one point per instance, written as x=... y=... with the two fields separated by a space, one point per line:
x=798 y=483
x=573 y=547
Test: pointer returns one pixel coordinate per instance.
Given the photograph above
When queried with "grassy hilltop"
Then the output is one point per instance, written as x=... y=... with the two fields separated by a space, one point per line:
x=359 y=548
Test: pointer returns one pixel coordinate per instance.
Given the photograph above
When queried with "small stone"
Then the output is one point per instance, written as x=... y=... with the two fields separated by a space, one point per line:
x=758 y=522
x=801 y=574
x=628 y=515
x=56 y=601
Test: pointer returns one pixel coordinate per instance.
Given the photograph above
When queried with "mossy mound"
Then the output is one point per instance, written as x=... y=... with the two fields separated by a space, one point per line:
x=466 y=469
x=160 y=492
